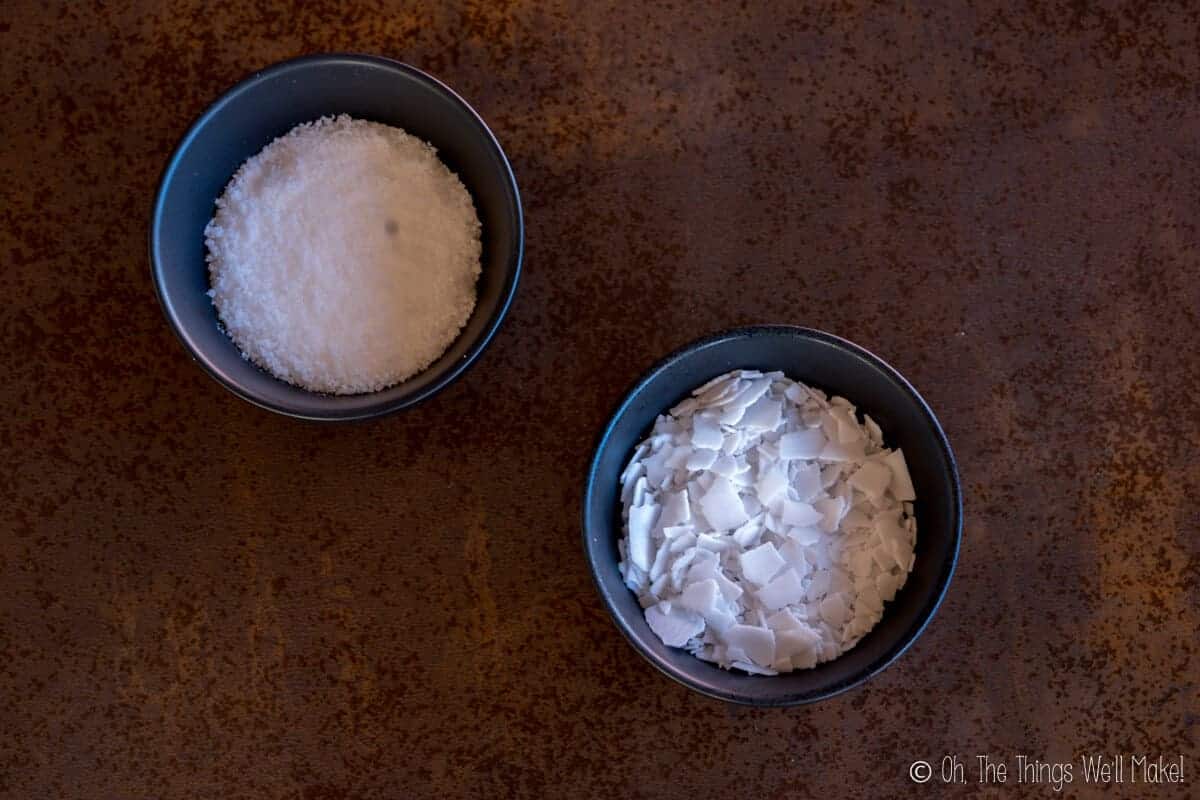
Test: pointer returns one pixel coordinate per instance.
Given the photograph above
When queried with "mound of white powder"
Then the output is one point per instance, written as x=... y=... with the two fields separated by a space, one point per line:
x=765 y=524
x=343 y=257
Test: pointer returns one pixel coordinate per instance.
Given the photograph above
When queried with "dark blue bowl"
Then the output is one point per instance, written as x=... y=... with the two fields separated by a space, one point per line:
x=268 y=104
x=838 y=367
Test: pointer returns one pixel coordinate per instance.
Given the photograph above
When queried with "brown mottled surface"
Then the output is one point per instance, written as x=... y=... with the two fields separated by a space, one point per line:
x=201 y=599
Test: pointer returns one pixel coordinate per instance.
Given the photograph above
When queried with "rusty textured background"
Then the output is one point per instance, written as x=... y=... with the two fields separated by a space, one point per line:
x=200 y=599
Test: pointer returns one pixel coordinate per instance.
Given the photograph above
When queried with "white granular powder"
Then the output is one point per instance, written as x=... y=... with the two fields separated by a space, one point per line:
x=765 y=524
x=343 y=257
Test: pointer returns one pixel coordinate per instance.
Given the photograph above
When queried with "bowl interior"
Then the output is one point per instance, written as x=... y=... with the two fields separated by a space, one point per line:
x=838 y=367
x=266 y=106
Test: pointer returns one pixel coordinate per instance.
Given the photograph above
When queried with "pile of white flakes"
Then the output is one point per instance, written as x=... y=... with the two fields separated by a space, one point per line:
x=765 y=526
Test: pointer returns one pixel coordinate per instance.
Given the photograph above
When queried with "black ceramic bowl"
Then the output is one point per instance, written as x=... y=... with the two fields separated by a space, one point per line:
x=268 y=104
x=838 y=367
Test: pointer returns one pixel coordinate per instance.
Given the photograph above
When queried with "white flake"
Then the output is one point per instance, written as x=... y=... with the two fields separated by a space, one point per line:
x=834 y=609
x=701 y=458
x=636 y=462
x=901 y=552
x=768 y=450
x=640 y=488
x=656 y=465
x=700 y=597
x=873 y=431
x=679 y=458
x=797 y=640
x=818 y=554
x=684 y=540
x=731 y=415
x=806 y=534
x=760 y=564
x=679 y=568
x=782 y=620
x=800 y=514
x=861 y=563
x=888 y=583
x=830 y=474
x=718 y=392
x=793 y=553
x=725 y=466
x=659 y=567
x=719 y=380
x=720 y=621
x=843 y=451
x=772 y=482
x=848 y=429
x=901 y=486
x=676 y=510
x=882 y=556
x=830 y=509
x=750 y=393
x=855 y=519
x=839 y=581
x=818 y=585
x=757 y=643
x=674 y=626
x=869 y=600
x=889 y=529
x=802 y=444
x=711 y=569
x=764 y=415
x=722 y=506
x=806 y=480
x=748 y=534
x=787 y=589
x=706 y=433
x=641 y=547
x=872 y=479
x=797 y=393
x=729 y=590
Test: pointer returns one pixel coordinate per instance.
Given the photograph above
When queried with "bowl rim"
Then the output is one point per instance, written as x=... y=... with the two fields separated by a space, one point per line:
x=384 y=407
x=943 y=581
